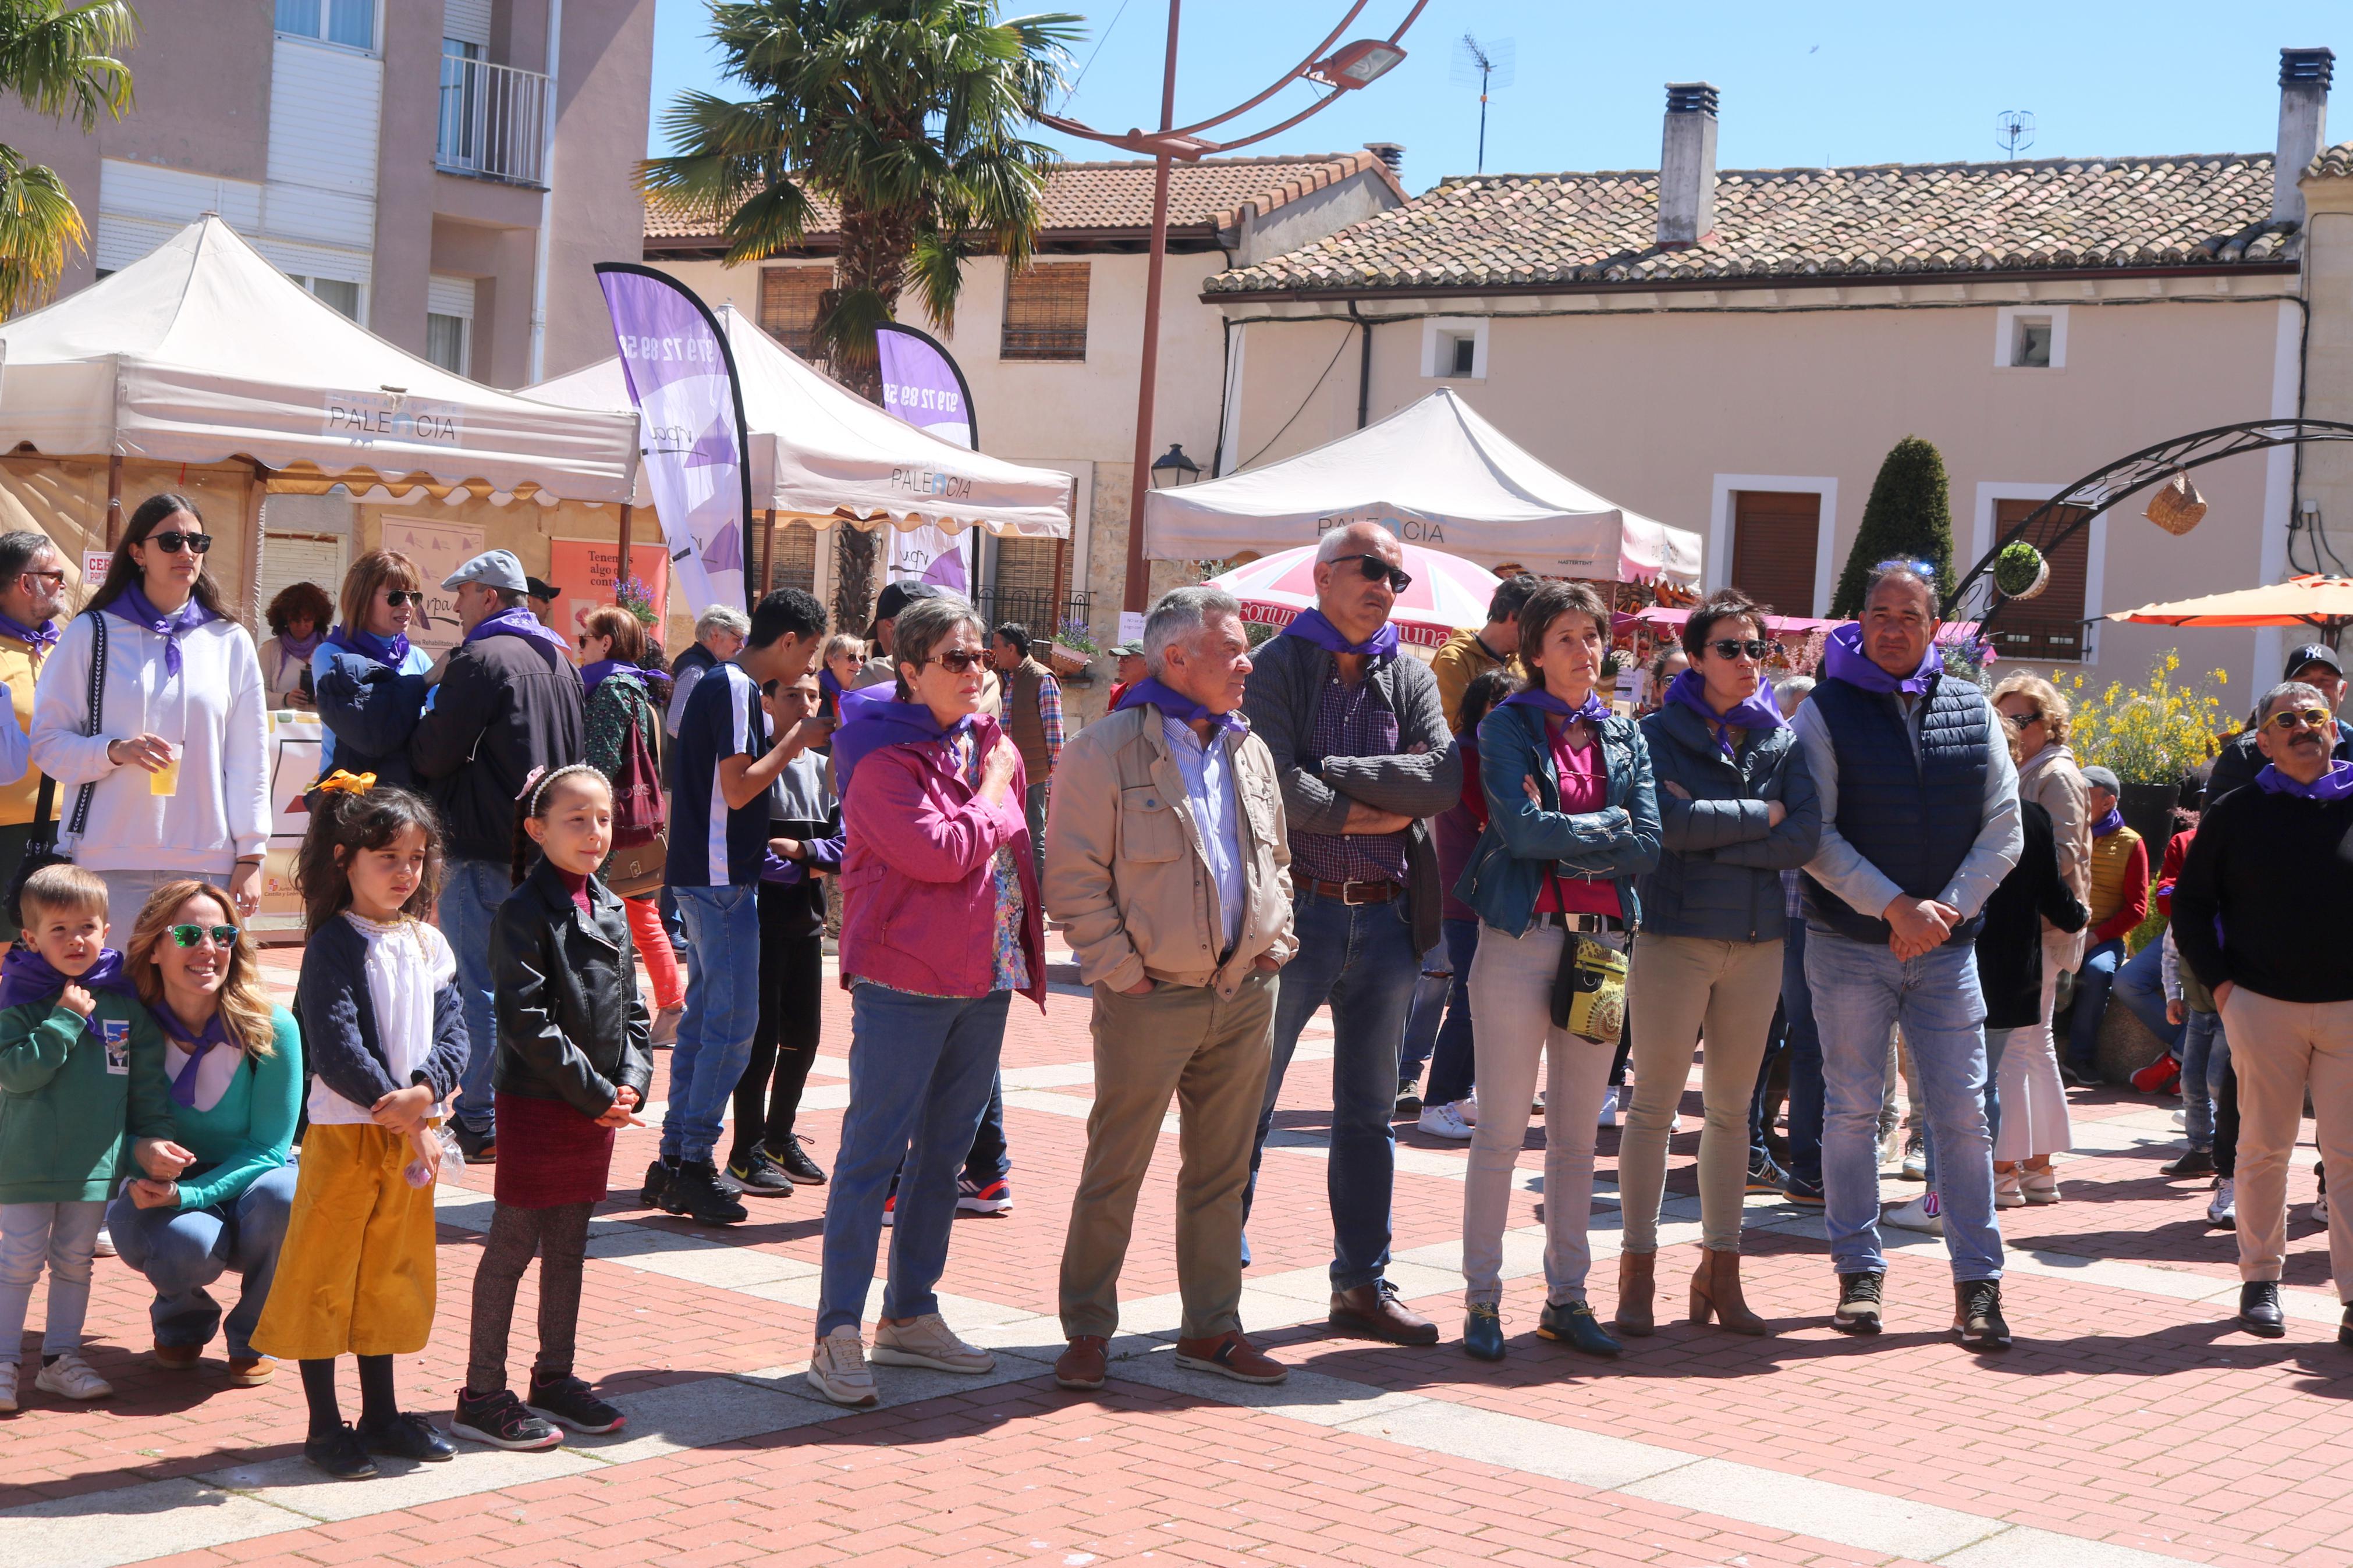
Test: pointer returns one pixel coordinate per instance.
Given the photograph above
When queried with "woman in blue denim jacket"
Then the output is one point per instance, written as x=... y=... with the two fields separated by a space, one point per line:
x=1571 y=821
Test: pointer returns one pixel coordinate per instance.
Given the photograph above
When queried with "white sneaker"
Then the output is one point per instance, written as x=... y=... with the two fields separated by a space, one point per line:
x=1443 y=1121
x=1916 y=1159
x=2006 y=1193
x=1608 y=1117
x=2223 y=1209
x=104 y=1247
x=2039 y=1187
x=1922 y=1213
x=70 y=1377
x=1467 y=1108
x=2319 y=1212
x=928 y=1342
x=1891 y=1148
x=838 y=1370
x=7 y=1387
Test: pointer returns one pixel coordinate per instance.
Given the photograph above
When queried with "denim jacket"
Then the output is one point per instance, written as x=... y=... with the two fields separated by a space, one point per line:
x=1523 y=842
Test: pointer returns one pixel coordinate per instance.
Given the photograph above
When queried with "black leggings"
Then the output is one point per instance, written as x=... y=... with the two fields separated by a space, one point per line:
x=560 y=1236
x=2226 y=1128
x=784 y=1042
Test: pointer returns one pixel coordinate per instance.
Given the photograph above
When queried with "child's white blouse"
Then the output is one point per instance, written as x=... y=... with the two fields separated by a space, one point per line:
x=408 y=962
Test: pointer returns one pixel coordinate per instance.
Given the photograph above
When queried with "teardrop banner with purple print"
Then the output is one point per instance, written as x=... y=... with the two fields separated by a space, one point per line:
x=690 y=419
x=922 y=386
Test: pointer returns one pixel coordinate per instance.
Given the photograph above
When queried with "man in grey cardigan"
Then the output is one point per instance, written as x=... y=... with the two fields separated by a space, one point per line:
x=1361 y=746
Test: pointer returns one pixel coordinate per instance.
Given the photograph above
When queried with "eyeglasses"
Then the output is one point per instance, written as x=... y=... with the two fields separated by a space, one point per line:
x=960 y=661
x=396 y=597
x=2021 y=720
x=171 y=540
x=1374 y=569
x=55 y=579
x=1735 y=647
x=2298 y=719
x=188 y=936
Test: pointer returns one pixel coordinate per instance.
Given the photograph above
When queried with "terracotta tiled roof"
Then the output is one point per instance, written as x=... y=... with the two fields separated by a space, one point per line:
x=2334 y=163
x=1601 y=228
x=1093 y=196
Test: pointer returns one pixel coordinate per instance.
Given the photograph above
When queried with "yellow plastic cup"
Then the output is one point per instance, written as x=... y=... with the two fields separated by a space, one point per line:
x=168 y=782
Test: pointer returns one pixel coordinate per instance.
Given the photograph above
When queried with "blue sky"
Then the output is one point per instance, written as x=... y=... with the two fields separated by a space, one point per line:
x=1802 y=85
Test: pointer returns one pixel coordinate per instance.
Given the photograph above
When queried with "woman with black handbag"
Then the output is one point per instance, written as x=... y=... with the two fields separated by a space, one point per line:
x=1571 y=822
x=623 y=737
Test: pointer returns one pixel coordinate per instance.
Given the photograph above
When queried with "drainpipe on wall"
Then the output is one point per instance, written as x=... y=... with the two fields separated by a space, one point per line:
x=546 y=203
x=1364 y=364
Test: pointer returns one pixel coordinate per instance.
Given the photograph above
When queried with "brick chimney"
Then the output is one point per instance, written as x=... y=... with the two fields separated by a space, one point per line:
x=2302 y=125
x=1687 y=164
x=1389 y=152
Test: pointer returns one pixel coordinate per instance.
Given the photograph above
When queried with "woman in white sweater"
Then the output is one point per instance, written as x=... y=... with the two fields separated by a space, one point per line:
x=177 y=766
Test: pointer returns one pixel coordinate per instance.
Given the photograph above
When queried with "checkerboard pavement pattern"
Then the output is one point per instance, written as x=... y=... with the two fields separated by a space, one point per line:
x=2130 y=1426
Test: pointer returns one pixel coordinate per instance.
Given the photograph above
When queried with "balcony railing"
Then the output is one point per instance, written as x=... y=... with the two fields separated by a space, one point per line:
x=493 y=121
x=1038 y=609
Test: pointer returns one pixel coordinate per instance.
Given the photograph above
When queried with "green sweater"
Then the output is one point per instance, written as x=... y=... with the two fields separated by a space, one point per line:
x=69 y=1103
x=247 y=1133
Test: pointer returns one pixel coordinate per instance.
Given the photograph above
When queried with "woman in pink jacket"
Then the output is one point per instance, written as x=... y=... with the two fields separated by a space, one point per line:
x=942 y=924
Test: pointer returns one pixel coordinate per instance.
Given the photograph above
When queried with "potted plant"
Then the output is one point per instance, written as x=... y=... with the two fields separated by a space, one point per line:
x=2151 y=736
x=1073 y=646
x=2019 y=571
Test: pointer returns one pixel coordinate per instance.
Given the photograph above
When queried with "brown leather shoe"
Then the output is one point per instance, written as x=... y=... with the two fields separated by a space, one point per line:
x=1375 y=1310
x=178 y=1357
x=1716 y=1289
x=1637 y=1275
x=1230 y=1355
x=250 y=1371
x=1082 y=1365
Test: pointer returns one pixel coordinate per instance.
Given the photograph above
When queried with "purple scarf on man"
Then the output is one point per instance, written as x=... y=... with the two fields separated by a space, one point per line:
x=390 y=652
x=2334 y=785
x=1176 y=705
x=1843 y=659
x=41 y=638
x=519 y=622
x=1757 y=712
x=2110 y=823
x=26 y=976
x=134 y=606
x=1313 y=625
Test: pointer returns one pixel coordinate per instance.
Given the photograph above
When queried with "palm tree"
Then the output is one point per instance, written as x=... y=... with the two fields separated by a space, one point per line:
x=59 y=58
x=903 y=116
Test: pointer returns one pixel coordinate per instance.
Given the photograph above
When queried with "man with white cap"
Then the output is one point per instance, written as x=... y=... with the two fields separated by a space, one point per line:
x=508 y=700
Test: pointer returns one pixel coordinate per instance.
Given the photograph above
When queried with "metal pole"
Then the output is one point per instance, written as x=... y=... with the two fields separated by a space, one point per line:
x=621 y=570
x=113 y=502
x=1134 y=598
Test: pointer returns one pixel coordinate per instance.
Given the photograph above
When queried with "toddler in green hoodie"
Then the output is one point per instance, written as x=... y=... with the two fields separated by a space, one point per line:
x=81 y=1072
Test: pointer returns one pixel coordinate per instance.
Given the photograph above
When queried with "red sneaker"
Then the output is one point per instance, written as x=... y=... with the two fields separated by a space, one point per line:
x=2162 y=1076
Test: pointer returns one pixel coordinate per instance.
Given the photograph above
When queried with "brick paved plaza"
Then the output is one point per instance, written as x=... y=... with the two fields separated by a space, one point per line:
x=2129 y=1427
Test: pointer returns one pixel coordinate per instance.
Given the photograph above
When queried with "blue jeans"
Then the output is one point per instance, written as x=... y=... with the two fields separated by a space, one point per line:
x=2092 y=982
x=1361 y=959
x=1804 y=1043
x=1452 y=1065
x=471 y=892
x=1997 y=1042
x=723 y=1014
x=2205 y=1068
x=920 y=1069
x=180 y=1251
x=2140 y=986
x=1861 y=992
x=1424 y=1014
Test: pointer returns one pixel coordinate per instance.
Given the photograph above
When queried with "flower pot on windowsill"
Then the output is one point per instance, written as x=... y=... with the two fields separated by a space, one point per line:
x=1065 y=662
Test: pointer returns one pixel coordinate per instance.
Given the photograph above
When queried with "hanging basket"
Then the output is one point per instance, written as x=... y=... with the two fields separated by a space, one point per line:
x=2177 y=506
x=1064 y=661
x=2011 y=567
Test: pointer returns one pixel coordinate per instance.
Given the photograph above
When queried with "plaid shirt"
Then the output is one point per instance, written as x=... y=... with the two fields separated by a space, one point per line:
x=1793 y=894
x=1349 y=723
x=1050 y=718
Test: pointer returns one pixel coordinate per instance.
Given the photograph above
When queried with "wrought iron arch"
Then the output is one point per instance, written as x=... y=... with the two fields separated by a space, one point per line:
x=2057 y=519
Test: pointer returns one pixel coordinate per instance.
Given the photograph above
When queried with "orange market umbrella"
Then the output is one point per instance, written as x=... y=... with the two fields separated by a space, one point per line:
x=2325 y=603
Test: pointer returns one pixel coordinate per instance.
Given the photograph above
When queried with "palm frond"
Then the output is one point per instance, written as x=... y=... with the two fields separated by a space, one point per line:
x=60 y=59
x=39 y=224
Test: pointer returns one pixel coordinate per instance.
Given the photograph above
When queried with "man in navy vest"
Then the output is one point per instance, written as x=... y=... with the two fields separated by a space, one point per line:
x=1920 y=824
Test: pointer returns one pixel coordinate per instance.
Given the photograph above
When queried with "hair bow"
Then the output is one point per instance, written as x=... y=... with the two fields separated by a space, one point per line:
x=343 y=783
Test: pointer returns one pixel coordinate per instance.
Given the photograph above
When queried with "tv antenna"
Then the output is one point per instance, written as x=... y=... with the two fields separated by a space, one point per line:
x=2013 y=131
x=1482 y=66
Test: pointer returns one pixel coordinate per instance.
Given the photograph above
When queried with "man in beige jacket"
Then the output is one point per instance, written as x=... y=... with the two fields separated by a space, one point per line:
x=1168 y=863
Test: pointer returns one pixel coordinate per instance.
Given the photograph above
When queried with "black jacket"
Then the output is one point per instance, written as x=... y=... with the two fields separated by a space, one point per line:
x=502 y=710
x=571 y=1024
x=2010 y=946
x=1719 y=872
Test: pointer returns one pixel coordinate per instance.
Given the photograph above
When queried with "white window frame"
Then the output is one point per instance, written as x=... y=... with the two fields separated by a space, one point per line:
x=2095 y=549
x=1717 y=569
x=2005 y=334
x=1438 y=336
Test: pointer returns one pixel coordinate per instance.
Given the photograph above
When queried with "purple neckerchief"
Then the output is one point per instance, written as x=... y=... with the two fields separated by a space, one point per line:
x=869 y=723
x=2110 y=823
x=1593 y=712
x=390 y=652
x=199 y=1045
x=1843 y=659
x=2335 y=785
x=40 y=639
x=521 y=623
x=1312 y=625
x=1756 y=712
x=134 y=606
x=593 y=674
x=26 y=976
x=830 y=685
x=1177 y=706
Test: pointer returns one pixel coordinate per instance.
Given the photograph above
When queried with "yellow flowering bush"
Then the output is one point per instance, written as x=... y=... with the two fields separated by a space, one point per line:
x=2151 y=733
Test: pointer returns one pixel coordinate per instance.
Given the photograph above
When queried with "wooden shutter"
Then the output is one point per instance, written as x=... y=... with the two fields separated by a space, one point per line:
x=1045 y=312
x=792 y=557
x=788 y=300
x=1774 y=537
x=2048 y=628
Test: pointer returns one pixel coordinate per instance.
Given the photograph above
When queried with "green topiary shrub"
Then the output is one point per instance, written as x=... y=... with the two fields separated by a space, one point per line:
x=1909 y=516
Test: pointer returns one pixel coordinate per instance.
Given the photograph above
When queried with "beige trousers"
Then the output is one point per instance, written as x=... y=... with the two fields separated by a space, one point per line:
x=1686 y=987
x=2276 y=1048
x=1211 y=1054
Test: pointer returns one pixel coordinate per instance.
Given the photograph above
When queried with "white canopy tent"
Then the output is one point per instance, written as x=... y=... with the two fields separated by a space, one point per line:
x=1437 y=475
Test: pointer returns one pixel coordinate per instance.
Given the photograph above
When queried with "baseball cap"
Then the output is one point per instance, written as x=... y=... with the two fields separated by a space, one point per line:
x=539 y=589
x=2104 y=778
x=1127 y=650
x=492 y=569
x=897 y=597
x=2311 y=653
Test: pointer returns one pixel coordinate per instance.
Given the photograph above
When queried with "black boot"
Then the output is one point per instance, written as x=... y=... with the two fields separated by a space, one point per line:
x=2259 y=1308
x=695 y=1191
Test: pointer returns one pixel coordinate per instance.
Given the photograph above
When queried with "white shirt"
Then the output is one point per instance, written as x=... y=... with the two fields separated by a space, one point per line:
x=407 y=962
x=214 y=1074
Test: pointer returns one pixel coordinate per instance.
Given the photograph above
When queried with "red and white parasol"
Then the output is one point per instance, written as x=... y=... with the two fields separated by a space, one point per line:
x=1448 y=592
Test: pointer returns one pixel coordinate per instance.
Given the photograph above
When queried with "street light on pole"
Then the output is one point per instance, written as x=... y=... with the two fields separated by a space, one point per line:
x=1351 y=66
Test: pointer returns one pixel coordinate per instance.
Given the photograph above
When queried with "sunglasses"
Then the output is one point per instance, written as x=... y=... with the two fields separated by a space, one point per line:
x=188 y=936
x=57 y=579
x=2021 y=720
x=171 y=540
x=1736 y=648
x=960 y=661
x=396 y=597
x=1374 y=569
x=2298 y=719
